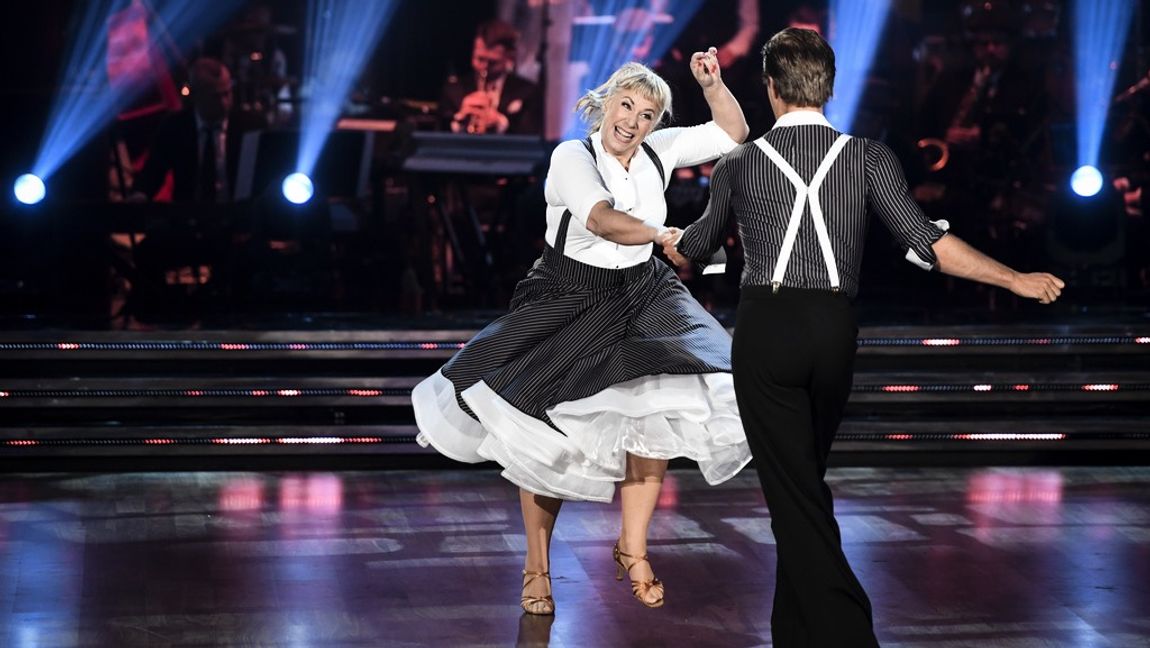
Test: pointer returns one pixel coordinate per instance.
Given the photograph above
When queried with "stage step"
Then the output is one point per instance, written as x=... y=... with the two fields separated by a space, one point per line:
x=348 y=392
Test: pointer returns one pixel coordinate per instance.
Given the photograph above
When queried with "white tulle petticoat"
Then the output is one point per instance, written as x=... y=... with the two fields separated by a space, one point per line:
x=659 y=417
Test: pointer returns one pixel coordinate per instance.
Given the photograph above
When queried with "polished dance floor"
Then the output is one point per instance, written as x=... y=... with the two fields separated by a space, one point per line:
x=1013 y=557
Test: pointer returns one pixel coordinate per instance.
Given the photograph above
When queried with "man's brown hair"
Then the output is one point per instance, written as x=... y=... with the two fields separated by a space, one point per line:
x=495 y=33
x=802 y=65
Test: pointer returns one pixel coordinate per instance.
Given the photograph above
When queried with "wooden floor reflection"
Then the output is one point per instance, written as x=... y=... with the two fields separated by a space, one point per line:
x=1018 y=557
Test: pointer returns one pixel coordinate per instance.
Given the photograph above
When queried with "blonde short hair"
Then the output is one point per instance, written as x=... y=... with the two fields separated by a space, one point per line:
x=631 y=76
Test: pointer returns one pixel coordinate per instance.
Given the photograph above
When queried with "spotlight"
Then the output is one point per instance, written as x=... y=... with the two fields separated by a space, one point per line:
x=29 y=189
x=1086 y=181
x=298 y=188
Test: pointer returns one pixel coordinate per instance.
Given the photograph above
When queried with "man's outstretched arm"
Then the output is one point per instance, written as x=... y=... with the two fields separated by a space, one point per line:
x=958 y=259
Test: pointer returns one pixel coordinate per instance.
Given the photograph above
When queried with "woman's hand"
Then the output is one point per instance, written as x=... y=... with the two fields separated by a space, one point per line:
x=669 y=239
x=725 y=110
x=705 y=67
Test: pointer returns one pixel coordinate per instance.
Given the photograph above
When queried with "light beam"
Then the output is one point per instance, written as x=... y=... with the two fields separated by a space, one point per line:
x=1100 y=28
x=86 y=100
x=341 y=34
x=855 y=29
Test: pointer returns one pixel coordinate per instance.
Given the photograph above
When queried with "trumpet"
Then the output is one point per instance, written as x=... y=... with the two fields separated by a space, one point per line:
x=477 y=125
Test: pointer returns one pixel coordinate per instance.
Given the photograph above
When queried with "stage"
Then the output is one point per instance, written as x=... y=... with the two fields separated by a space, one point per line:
x=238 y=234
x=1017 y=557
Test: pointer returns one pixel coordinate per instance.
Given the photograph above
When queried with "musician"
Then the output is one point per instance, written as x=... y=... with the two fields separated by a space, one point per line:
x=970 y=106
x=492 y=98
x=200 y=144
x=983 y=114
x=180 y=263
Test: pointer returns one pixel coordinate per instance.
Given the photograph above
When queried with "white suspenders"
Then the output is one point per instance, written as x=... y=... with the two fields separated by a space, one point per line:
x=803 y=193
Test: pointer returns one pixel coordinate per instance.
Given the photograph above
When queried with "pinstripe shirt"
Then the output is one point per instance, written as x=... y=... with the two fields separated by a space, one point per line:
x=747 y=186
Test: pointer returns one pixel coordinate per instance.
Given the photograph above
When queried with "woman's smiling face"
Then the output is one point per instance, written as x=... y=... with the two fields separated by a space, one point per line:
x=627 y=118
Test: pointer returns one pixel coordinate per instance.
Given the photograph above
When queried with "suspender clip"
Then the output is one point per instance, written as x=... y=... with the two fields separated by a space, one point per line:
x=834 y=289
x=775 y=287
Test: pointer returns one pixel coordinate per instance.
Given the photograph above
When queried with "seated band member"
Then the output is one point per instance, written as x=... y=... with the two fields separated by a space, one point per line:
x=491 y=98
x=200 y=144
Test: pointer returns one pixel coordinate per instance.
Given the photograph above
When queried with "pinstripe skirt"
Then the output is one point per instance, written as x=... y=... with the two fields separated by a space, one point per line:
x=589 y=364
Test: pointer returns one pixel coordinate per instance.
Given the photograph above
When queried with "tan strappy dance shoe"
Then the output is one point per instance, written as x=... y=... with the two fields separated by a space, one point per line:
x=638 y=588
x=542 y=605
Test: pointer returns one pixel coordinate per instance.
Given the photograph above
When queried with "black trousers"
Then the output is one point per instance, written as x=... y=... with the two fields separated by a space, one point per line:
x=793 y=360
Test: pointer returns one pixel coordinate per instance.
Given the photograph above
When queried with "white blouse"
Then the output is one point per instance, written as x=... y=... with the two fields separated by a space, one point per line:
x=577 y=183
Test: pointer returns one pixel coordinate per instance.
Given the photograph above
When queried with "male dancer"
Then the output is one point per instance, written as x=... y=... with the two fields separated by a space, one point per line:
x=800 y=195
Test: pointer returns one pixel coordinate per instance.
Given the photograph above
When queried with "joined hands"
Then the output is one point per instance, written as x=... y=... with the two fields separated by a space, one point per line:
x=669 y=238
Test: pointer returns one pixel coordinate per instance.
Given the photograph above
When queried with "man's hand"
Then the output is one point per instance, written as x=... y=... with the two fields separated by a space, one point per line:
x=705 y=67
x=476 y=103
x=669 y=240
x=1042 y=286
x=480 y=108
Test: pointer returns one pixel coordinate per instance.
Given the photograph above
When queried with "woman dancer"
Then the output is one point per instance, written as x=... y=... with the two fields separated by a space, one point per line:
x=606 y=367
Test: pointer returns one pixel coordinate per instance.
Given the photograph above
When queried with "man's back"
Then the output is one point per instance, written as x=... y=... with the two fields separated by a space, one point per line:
x=762 y=200
x=754 y=189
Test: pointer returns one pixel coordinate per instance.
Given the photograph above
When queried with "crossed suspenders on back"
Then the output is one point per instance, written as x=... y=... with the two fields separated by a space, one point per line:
x=804 y=193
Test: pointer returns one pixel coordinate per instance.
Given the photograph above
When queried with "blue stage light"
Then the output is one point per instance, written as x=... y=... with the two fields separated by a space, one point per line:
x=87 y=100
x=1100 y=28
x=298 y=188
x=341 y=35
x=1086 y=181
x=855 y=30
x=29 y=189
x=600 y=44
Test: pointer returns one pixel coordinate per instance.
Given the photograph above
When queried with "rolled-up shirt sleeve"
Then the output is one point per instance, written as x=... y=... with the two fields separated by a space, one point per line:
x=688 y=146
x=888 y=195
x=705 y=236
x=574 y=181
